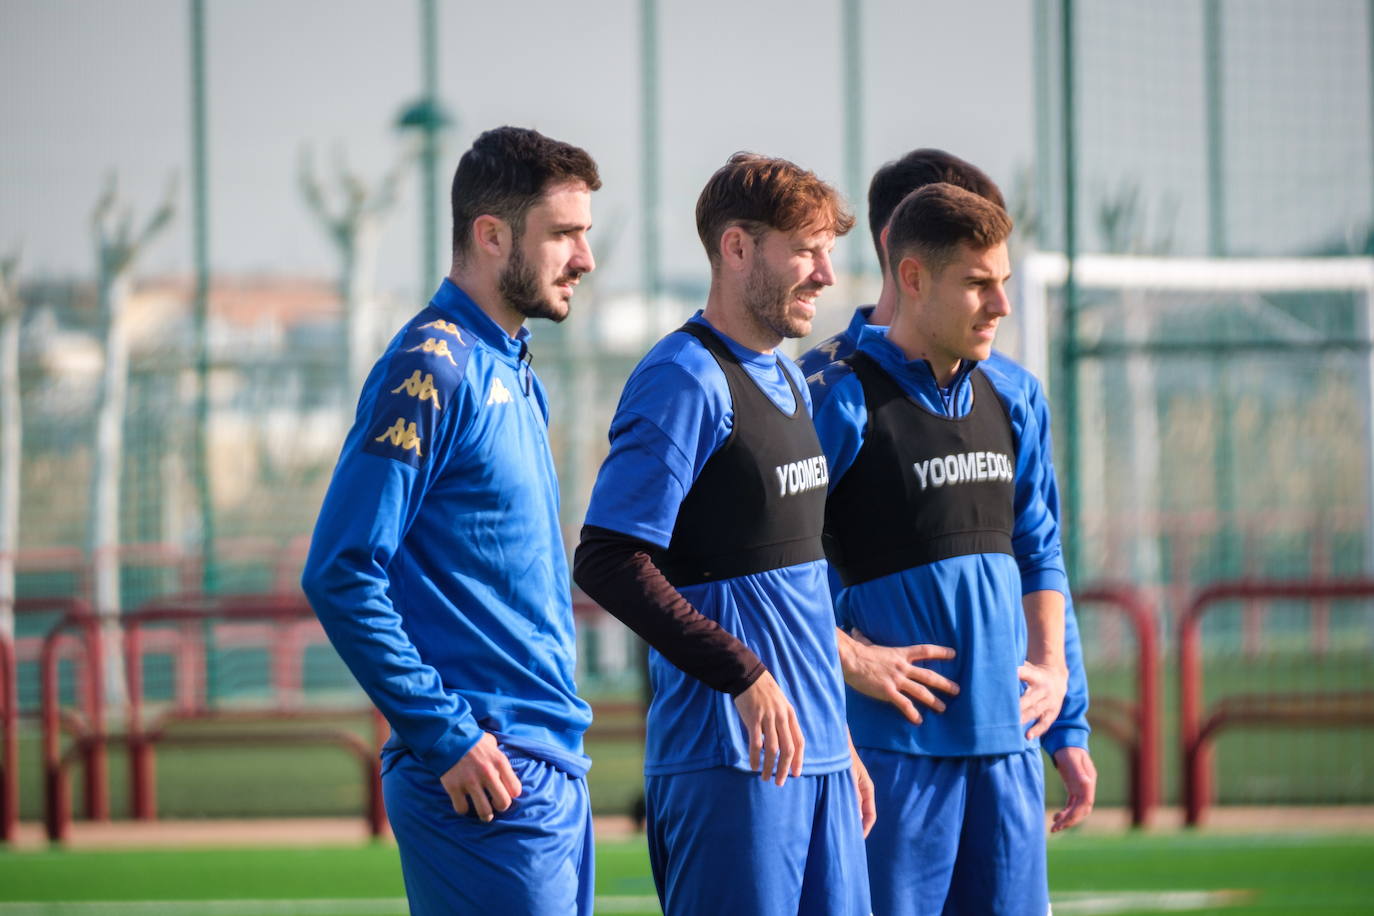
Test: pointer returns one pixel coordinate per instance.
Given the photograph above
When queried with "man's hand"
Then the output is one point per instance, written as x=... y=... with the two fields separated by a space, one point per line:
x=484 y=776
x=775 y=735
x=863 y=786
x=1080 y=785
x=890 y=673
x=1045 y=689
x=1045 y=672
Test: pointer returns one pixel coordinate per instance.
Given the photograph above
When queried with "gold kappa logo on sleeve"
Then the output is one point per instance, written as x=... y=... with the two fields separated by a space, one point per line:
x=437 y=347
x=423 y=389
x=448 y=327
x=402 y=434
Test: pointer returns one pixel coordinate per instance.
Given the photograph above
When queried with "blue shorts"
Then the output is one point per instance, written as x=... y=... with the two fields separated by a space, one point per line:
x=725 y=841
x=533 y=859
x=958 y=835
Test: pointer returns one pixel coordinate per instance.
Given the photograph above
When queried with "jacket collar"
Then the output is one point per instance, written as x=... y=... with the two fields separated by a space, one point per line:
x=452 y=301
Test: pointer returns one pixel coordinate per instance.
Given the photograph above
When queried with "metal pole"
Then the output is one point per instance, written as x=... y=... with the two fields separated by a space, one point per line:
x=1216 y=152
x=1367 y=315
x=200 y=209
x=1366 y=319
x=1044 y=131
x=1368 y=246
x=429 y=151
x=1071 y=510
x=853 y=129
x=649 y=171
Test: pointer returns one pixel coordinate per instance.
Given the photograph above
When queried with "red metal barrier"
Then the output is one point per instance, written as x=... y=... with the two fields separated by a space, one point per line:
x=1133 y=724
x=90 y=688
x=86 y=726
x=9 y=742
x=1196 y=732
x=277 y=622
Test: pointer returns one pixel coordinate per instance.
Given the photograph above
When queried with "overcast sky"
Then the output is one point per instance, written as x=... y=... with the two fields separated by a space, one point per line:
x=91 y=87
x=95 y=87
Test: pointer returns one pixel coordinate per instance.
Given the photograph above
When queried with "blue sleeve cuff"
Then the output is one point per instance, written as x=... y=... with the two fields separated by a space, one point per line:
x=1069 y=736
x=1051 y=579
x=449 y=749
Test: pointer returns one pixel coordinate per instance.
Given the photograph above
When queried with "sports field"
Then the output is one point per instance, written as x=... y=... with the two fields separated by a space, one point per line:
x=1287 y=873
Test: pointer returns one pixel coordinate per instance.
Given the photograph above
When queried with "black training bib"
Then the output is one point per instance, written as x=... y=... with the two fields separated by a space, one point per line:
x=923 y=487
x=759 y=501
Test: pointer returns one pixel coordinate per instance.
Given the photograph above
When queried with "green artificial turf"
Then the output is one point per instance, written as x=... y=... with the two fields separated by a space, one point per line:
x=1270 y=873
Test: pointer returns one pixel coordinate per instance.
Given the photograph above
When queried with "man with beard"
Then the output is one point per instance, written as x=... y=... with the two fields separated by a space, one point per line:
x=437 y=566
x=703 y=536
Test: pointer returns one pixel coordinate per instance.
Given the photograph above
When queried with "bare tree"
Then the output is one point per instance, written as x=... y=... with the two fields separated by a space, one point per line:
x=352 y=221
x=11 y=435
x=117 y=246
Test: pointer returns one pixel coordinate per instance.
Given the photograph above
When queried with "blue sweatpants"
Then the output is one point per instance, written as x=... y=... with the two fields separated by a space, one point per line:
x=533 y=859
x=724 y=841
x=958 y=835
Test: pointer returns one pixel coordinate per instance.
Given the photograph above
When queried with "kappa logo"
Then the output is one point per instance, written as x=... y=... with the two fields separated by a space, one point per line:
x=403 y=435
x=499 y=393
x=830 y=348
x=448 y=327
x=817 y=378
x=437 y=347
x=423 y=389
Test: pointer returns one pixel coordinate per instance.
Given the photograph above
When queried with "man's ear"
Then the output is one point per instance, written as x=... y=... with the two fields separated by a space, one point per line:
x=491 y=235
x=736 y=248
x=912 y=277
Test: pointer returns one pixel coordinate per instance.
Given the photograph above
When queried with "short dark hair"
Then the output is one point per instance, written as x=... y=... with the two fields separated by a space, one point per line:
x=758 y=193
x=505 y=173
x=932 y=222
x=918 y=168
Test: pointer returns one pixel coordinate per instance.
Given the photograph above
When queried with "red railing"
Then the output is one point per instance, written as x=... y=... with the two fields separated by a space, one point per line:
x=9 y=742
x=283 y=624
x=1134 y=724
x=86 y=725
x=1266 y=709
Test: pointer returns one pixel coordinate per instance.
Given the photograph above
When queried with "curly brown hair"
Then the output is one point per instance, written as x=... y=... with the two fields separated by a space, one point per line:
x=760 y=192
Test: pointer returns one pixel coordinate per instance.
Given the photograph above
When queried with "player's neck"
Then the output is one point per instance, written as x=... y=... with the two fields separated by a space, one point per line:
x=886 y=307
x=730 y=315
x=914 y=346
x=486 y=293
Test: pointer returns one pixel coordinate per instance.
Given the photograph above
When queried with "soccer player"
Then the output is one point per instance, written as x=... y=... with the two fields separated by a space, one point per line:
x=437 y=566
x=890 y=673
x=703 y=535
x=939 y=527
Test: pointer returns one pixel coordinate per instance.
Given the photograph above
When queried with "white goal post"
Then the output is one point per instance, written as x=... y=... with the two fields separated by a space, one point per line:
x=1152 y=285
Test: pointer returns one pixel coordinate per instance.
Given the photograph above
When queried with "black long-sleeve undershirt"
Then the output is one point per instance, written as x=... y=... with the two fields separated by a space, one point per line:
x=618 y=572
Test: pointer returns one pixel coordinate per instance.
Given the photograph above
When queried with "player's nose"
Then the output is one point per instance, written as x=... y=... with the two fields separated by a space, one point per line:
x=582 y=259
x=824 y=272
x=998 y=302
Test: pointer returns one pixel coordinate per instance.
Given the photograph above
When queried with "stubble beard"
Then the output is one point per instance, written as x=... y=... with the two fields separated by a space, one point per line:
x=767 y=298
x=519 y=287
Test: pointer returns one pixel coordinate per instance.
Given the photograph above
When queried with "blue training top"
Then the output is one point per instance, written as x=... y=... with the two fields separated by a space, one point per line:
x=962 y=602
x=437 y=565
x=674 y=413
